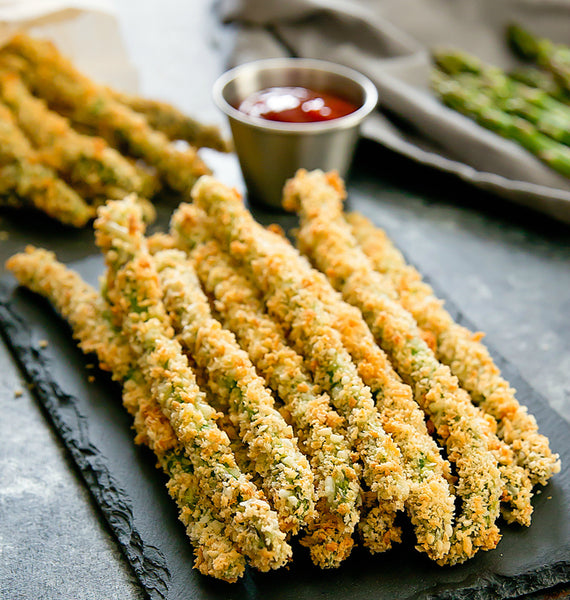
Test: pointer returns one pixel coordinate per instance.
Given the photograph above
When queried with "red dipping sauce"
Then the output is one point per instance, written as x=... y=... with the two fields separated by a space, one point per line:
x=295 y=105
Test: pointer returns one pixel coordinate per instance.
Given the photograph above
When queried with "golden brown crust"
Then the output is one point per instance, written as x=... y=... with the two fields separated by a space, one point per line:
x=82 y=306
x=326 y=237
x=462 y=350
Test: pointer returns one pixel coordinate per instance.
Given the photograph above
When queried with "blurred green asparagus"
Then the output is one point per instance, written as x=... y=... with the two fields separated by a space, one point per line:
x=473 y=102
x=544 y=80
x=551 y=117
x=553 y=57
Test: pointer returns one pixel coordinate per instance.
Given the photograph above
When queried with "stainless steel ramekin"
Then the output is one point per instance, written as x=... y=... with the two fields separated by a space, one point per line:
x=270 y=152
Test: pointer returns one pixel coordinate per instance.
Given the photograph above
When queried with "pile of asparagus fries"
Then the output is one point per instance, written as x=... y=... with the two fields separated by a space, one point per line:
x=282 y=400
x=530 y=106
x=68 y=144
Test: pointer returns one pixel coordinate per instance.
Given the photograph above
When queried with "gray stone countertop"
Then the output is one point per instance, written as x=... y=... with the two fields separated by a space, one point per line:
x=506 y=268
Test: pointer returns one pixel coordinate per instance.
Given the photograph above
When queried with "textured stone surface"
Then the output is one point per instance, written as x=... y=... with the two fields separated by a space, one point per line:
x=53 y=543
x=134 y=502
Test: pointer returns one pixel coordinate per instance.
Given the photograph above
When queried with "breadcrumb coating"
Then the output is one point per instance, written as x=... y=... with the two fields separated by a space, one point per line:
x=315 y=421
x=318 y=425
x=88 y=163
x=431 y=502
x=311 y=331
x=55 y=79
x=135 y=293
x=272 y=448
x=326 y=237
x=463 y=351
x=376 y=527
x=23 y=181
x=173 y=123
x=84 y=309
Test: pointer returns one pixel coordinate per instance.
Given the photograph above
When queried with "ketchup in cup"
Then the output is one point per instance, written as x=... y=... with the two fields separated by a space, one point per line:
x=295 y=105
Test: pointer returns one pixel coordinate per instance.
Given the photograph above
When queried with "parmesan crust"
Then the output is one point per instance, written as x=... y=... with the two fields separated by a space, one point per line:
x=83 y=308
x=326 y=237
x=463 y=351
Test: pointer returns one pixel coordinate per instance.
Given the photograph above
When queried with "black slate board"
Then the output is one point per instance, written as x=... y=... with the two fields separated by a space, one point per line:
x=130 y=491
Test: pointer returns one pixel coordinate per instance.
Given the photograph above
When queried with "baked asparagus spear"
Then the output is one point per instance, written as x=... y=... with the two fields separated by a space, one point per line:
x=550 y=116
x=326 y=238
x=271 y=447
x=318 y=426
x=462 y=350
x=56 y=80
x=83 y=307
x=310 y=329
x=25 y=182
x=136 y=296
x=88 y=163
x=173 y=123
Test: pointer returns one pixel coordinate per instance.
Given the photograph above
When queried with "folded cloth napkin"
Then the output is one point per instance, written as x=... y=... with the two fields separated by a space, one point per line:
x=87 y=31
x=389 y=41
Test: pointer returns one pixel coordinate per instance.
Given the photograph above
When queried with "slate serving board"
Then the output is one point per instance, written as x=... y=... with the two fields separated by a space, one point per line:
x=131 y=493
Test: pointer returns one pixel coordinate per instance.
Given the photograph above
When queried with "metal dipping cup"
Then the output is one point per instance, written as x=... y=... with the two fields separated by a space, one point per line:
x=270 y=152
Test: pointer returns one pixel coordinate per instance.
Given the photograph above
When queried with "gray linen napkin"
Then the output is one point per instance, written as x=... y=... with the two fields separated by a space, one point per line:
x=389 y=41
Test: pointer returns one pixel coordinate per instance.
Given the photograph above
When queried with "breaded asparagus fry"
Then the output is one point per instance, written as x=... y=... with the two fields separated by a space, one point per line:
x=216 y=555
x=272 y=448
x=376 y=526
x=312 y=333
x=56 y=80
x=430 y=503
x=22 y=178
x=336 y=479
x=316 y=423
x=329 y=537
x=459 y=348
x=88 y=163
x=84 y=309
x=136 y=296
x=173 y=123
x=243 y=312
x=326 y=237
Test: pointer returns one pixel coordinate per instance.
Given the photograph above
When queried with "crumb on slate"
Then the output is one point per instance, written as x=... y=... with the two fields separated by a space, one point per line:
x=43 y=343
x=18 y=393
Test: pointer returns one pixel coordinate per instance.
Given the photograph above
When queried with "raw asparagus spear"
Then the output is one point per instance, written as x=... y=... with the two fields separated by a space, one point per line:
x=553 y=57
x=479 y=107
x=550 y=116
x=543 y=80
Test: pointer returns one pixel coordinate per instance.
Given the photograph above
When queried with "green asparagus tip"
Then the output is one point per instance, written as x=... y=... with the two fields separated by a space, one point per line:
x=522 y=42
x=453 y=61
